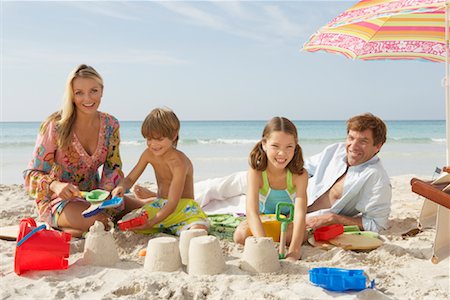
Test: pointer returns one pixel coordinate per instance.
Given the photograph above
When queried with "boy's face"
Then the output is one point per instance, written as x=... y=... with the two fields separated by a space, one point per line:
x=159 y=145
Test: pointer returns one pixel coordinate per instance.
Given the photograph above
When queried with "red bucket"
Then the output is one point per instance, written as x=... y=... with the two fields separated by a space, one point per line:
x=40 y=249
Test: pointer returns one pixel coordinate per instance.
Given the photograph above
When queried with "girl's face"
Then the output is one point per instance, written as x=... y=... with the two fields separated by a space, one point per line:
x=87 y=94
x=280 y=148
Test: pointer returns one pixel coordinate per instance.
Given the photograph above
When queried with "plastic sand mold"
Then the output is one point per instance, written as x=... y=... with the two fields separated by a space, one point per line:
x=98 y=207
x=339 y=280
x=328 y=232
x=133 y=219
x=95 y=195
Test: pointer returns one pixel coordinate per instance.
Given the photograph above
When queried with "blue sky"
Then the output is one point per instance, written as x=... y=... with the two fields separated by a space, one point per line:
x=205 y=60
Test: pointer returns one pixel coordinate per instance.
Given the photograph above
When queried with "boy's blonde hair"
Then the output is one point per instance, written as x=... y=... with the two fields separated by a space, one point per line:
x=161 y=122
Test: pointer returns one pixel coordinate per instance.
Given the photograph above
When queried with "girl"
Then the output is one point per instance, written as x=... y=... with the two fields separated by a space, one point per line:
x=71 y=146
x=276 y=175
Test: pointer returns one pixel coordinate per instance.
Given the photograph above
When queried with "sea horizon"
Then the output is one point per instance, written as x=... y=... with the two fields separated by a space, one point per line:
x=218 y=148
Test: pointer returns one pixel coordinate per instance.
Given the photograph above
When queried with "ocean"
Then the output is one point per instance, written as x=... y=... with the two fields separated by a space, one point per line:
x=218 y=148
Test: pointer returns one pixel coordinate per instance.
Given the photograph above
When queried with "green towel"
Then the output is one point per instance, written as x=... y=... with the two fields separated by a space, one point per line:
x=223 y=225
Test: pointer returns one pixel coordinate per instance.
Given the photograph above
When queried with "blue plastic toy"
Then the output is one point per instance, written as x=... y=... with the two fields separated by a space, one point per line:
x=339 y=280
x=96 y=208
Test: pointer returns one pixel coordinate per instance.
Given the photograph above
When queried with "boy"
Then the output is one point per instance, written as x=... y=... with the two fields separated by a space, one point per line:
x=174 y=209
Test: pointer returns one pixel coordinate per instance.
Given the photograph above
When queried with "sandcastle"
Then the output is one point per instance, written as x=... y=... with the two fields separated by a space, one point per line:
x=260 y=255
x=185 y=239
x=205 y=256
x=100 y=248
x=163 y=255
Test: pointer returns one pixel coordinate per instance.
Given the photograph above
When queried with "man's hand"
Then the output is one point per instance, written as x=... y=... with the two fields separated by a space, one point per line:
x=65 y=190
x=319 y=221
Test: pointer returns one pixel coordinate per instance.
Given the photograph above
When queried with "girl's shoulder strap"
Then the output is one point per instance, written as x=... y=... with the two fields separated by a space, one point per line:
x=289 y=184
x=265 y=188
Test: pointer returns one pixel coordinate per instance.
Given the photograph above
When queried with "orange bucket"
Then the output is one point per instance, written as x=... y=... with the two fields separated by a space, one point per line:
x=40 y=249
x=271 y=225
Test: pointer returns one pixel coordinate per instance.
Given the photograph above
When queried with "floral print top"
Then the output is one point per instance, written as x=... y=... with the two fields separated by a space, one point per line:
x=73 y=165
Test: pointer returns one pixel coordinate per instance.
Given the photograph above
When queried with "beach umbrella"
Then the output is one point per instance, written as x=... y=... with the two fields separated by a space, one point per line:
x=397 y=29
x=391 y=29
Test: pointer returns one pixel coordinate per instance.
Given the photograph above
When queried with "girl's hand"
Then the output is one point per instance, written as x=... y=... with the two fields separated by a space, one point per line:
x=294 y=255
x=143 y=193
x=64 y=190
x=119 y=191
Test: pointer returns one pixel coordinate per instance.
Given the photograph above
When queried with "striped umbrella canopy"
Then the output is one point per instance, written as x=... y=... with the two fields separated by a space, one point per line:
x=390 y=29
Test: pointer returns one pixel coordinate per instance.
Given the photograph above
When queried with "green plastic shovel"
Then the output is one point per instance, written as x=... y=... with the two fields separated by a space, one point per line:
x=284 y=225
x=95 y=195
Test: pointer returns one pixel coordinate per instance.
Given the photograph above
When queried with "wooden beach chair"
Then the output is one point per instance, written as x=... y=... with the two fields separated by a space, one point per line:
x=435 y=211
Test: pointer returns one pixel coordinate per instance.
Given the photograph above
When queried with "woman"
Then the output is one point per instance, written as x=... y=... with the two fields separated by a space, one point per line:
x=71 y=146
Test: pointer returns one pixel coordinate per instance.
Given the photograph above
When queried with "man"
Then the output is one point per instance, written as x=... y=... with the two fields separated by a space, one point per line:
x=347 y=182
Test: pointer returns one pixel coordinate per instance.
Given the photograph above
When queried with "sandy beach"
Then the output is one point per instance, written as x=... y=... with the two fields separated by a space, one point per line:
x=401 y=268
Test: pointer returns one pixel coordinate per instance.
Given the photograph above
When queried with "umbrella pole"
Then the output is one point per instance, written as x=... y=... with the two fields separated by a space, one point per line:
x=447 y=79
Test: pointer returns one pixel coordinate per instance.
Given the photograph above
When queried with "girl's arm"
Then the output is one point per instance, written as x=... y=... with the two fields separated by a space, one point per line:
x=252 y=203
x=301 y=183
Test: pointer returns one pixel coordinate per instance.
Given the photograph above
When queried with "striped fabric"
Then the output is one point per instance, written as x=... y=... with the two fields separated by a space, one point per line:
x=386 y=29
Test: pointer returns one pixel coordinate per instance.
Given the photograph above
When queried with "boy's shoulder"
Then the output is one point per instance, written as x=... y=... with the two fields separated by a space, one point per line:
x=178 y=157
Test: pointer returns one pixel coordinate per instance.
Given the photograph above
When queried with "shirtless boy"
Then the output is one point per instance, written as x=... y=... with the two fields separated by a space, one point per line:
x=174 y=208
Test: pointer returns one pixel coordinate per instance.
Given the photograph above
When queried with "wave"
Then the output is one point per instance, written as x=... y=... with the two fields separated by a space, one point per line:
x=412 y=140
x=223 y=141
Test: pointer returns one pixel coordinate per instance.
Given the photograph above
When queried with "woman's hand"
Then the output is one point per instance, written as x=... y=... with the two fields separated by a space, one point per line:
x=143 y=193
x=65 y=190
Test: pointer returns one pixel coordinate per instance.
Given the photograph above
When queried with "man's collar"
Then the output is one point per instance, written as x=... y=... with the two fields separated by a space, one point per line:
x=371 y=161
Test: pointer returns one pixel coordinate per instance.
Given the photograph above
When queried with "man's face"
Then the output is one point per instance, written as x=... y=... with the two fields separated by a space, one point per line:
x=360 y=147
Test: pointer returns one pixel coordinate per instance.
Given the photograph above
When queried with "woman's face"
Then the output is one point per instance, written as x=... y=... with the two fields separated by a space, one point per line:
x=87 y=94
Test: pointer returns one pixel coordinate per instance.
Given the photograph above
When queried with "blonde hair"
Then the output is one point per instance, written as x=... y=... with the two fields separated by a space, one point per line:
x=258 y=157
x=66 y=116
x=161 y=122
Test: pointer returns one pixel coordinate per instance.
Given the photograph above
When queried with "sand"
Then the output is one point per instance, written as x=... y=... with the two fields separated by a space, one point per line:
x=401 y=267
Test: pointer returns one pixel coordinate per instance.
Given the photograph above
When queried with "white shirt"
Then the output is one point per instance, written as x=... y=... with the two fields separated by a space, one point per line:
x=367 y=189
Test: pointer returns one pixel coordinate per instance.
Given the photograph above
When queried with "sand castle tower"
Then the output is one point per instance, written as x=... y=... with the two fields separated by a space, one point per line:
x=100 y=248
x=205 y=256
x=260 y=255
x=163 y=255
x=185 y=240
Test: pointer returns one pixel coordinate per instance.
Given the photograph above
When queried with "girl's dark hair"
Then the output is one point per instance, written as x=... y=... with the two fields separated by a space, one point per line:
x=258 y=157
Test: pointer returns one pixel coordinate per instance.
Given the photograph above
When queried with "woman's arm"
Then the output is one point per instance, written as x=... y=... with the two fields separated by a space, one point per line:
x=37 y=175
x=112 y=169
x=301 y=183
x=252 y=203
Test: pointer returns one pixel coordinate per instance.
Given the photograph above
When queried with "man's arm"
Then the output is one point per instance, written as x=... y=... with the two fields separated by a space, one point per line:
x=330 y=218
x=373 y=202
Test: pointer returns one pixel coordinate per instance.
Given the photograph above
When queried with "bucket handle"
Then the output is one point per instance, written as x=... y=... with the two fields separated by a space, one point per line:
x=19 y=243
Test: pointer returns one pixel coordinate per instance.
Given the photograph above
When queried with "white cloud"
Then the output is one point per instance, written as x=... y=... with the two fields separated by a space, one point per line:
x=51 y=55
x=112 y=9
x=268 y=24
